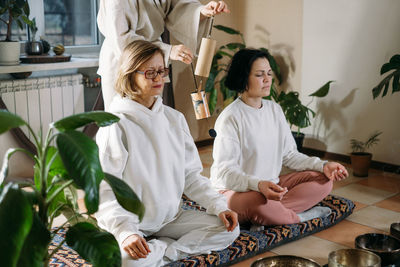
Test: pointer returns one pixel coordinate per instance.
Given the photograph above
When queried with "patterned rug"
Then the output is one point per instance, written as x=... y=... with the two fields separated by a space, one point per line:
x=247 y=245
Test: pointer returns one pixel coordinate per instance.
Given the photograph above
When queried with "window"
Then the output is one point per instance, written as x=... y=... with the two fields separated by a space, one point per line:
x=68 y=22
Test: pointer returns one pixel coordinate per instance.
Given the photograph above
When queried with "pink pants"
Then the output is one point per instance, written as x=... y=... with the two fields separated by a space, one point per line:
x=305 y=189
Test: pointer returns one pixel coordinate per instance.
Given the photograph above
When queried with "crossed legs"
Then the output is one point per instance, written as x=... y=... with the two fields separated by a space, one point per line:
x=305 y=189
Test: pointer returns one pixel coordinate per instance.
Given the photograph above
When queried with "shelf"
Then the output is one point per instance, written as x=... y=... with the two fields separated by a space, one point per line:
x=75 y=63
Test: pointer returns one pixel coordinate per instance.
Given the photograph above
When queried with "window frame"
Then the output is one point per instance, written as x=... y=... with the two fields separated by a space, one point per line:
x=37 y=11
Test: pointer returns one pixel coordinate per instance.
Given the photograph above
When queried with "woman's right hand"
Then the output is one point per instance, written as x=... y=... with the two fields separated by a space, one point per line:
x=271 y=190
x=136 y=246
x=181 y=53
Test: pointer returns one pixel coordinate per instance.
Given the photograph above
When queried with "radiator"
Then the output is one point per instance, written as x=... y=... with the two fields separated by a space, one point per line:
x=40 y=101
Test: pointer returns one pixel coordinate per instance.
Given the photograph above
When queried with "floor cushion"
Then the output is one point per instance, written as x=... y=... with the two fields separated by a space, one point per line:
x=247 y=245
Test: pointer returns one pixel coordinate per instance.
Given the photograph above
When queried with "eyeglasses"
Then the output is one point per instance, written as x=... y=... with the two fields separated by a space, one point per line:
x=152 y=74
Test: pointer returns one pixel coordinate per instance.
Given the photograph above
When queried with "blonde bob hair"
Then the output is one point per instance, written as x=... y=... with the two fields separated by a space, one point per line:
x=132 y=58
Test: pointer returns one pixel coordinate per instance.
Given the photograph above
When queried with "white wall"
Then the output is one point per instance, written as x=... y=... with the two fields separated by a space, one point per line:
x=348 y=41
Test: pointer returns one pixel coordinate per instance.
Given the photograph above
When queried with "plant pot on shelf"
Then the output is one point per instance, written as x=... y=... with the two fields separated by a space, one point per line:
x=299 y=139
x=9 y=53
x=34 y=48
x=360 y=162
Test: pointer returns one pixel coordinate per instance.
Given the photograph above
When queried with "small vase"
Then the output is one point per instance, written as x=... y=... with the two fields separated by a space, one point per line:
x=200 y=105
x=34 y=48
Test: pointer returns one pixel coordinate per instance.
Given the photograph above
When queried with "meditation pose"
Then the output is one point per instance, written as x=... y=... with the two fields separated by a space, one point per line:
x=253 y=142
x=124 y=21
x=151 y=149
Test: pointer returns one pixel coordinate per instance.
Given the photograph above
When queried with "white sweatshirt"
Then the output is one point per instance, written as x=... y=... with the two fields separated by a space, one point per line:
x=154 y=153
x=252 y=145
x=124 y=21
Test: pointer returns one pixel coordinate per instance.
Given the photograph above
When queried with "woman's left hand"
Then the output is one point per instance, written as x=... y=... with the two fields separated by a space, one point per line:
x=230 y=219
x=335 y=171
x=214 y=8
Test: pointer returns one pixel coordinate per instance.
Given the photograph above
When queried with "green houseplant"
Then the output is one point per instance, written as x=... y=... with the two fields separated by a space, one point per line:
x=296 y=113
x=18 y=11
x=27 y=210
x=360 y=158
x=393 y=64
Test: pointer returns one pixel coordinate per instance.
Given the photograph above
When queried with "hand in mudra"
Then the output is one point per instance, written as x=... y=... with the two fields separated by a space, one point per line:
x=230 y=219
x=181 y=53
x=335 y=171
x=136 y=247
x=271 y=190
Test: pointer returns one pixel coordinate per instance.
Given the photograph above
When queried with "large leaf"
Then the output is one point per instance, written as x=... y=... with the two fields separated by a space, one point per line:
x=125 y=196
x=15 y=223
x=234 y=46
x=36 y=245
x=99 y=248
x=394 y=63
x=226 y=29
x=57 y=167
x=80 y=156
x=323 y=90
x=9 y=120
x=396 y=86
x=73 y=122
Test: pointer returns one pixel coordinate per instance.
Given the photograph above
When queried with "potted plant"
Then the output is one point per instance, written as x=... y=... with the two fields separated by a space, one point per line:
x=33 y=47
x=27 y=210
x=14 y=10
x=393 y=64
x=360 y=159
x=295 y=112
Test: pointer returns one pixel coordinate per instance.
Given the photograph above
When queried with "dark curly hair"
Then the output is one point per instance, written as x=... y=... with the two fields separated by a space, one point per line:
x=240 y=67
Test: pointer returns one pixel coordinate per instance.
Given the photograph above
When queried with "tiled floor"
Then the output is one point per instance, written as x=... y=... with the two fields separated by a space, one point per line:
x=377 y=199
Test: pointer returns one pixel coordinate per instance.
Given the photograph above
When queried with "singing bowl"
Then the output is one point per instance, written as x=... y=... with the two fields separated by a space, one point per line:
x=353 y=258
x=284 y=261
x=395 y=229
x=385 y=246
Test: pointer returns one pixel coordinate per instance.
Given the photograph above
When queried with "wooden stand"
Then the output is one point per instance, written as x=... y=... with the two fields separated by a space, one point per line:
x=45 y=58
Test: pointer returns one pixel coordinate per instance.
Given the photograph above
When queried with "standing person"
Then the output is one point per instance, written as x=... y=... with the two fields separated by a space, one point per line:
x=152 y=150
x=253 y=142
x=124 y=21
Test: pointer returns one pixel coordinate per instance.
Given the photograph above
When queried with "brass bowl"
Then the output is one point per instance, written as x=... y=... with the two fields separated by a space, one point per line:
x=395 y=229
x=284 y=261
x=353 y=258
x=385 y=246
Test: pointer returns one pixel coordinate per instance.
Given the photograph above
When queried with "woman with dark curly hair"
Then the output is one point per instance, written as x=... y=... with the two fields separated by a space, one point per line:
x=253 y=142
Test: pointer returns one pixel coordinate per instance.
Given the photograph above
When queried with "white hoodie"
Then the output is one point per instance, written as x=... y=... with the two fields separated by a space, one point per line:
x=154 y=153
x=252 y=145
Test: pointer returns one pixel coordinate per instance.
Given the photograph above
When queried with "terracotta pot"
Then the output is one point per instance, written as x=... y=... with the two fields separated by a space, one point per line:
x=360 y=162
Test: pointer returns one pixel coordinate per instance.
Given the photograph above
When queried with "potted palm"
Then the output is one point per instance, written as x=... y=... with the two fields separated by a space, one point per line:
x=18 y=11
x=360 y=158
x=33 y=47
x=27 y=210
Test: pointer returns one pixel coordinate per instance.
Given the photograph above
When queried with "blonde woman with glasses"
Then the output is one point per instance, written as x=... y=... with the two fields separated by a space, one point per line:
x=151 y=149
